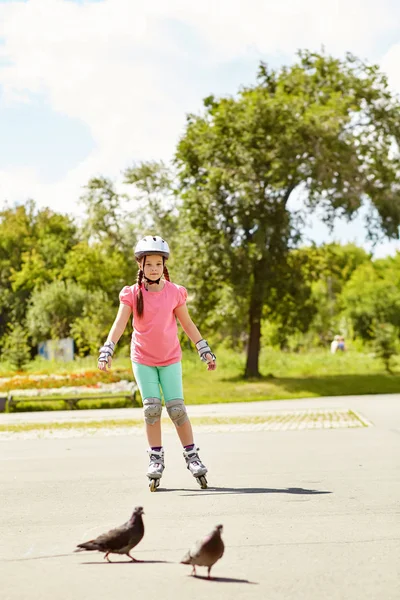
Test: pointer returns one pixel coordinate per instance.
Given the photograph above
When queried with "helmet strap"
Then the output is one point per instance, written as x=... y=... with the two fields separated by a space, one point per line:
x=152 y=281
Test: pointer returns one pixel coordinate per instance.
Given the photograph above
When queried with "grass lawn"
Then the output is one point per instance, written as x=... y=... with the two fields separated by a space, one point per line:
x=285 y=375
x=288 y=376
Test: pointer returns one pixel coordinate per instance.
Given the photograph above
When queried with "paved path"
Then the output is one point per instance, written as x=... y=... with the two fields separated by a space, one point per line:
x=306 y=514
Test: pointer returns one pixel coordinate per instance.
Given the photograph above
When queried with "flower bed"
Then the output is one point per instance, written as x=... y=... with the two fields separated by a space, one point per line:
x=84 y=378
x=107 y=388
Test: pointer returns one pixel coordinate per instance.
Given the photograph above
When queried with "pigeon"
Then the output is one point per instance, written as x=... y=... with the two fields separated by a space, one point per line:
x=206 y=552
x=120 y=540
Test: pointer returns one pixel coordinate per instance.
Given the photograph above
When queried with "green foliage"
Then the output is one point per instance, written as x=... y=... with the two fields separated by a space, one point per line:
x=33 y=247
x=372 y=295
x=99 y=267
x=107 y=220
x=16 y=349
x=53 y=308
x=32 y=272
x=324 y=125
x=155 y=192
x=90 y=330
x=326 y=270
x=386 y=341
x=52 y=236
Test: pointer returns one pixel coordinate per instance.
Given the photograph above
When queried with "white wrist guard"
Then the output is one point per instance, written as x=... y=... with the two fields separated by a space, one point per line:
x=203 y=349
x=106 y=351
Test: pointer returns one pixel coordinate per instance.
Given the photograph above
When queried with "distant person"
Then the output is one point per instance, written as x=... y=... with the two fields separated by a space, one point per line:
x=334 y=344
x=155 y=303
x=341 y=345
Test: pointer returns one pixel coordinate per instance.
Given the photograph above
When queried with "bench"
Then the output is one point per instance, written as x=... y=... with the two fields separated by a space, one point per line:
x=7 y=403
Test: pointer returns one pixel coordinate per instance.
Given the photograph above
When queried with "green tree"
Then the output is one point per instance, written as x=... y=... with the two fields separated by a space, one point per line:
x=99 y=266
x=155 y=190
x=157 y=212
x=16 y=349
x=325 y=126
x=372 y=297
x=107 y=219
x=329 y=267
x=33 y=248
x=292 y=307
x=90 y=329
x=53 y=308
x=52 y=235
x=386 y=341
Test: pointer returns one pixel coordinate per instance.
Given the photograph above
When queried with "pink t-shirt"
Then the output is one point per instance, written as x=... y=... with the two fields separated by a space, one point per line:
x=155 y=335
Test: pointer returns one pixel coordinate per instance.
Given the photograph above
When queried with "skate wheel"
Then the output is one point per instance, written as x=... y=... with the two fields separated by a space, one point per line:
x=153 y=485
x=203 y=482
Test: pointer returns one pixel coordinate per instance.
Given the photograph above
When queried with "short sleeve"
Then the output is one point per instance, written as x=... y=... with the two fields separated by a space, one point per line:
x=126 y=296
x=182 y=296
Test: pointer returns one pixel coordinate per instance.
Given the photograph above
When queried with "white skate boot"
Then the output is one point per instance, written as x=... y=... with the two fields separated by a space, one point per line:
x=156 y=468
x=195 y=466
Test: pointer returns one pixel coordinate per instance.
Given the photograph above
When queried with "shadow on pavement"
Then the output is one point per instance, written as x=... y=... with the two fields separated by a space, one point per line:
x=225 y=490
x=99 y=562
x=223 y=579
x=35 y=557
x=124 y=562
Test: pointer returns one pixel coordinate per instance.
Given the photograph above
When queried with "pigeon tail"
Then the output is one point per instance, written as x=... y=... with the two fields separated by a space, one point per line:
x=187 y=559
x=87 y=546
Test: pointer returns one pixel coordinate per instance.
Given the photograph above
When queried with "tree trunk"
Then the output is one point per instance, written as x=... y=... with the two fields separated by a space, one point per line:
x=256 y=304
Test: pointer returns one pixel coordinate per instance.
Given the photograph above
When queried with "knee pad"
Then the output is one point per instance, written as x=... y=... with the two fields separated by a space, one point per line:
x=177 y=411
x=152 y=410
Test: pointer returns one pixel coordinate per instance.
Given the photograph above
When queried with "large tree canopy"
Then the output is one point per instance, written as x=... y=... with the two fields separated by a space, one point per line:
x=326 y=126
x=33 y=248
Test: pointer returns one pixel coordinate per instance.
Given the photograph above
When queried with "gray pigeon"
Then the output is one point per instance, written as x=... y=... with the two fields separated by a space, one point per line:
x=120 y=540
x=206 y=552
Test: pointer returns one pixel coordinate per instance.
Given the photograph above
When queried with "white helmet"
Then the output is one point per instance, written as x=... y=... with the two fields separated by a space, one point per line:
x=151 y=245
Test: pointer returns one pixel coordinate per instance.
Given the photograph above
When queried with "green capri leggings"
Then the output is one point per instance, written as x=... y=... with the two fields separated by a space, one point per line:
x=151 y=379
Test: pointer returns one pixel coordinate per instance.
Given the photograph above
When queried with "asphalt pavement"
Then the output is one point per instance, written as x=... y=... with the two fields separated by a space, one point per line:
x=307 y=514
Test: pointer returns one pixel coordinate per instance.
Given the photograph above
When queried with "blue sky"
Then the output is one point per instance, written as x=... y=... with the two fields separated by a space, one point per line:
x=36 y=135
x=89 y=87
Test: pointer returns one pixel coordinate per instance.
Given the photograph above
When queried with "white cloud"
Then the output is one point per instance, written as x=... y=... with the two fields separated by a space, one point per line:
x=234 y=27
x=114 y=66
x=22 y=183
x=386 y=249
x=390 y=63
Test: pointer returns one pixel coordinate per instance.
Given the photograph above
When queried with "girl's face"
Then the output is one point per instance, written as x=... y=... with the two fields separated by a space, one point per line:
x=153 y=267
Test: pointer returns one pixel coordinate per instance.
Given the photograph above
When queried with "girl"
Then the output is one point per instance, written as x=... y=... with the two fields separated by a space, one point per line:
x=156 y=353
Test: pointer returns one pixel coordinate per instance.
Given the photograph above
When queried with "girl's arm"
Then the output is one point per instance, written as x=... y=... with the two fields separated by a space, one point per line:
x=117 y=329
x=192 y=332
x=121 y=320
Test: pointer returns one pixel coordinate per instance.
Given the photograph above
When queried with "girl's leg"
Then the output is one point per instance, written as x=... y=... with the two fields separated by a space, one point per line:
x=185 y=433
x=171 y=384
x=149 y=386
x=153 y=434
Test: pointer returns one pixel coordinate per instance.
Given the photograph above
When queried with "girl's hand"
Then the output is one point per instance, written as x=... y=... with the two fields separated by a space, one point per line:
x=106 y=352
x=211 y=363
x=206 y=355
x=104 y=365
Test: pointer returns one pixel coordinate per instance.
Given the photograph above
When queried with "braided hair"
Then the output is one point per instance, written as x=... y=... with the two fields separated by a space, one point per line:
x=165 y=272
x=139 y=297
